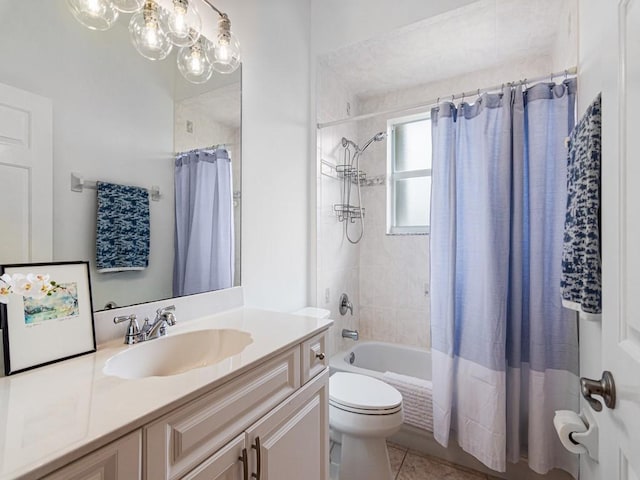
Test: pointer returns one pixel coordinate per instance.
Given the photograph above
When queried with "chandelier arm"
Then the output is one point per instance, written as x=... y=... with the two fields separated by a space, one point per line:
x=222 y=14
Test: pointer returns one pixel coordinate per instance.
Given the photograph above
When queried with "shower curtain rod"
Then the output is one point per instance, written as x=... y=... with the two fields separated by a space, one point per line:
x=432 y=103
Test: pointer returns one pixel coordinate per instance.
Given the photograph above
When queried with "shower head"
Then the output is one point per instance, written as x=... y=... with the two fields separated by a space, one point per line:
x=378 y=137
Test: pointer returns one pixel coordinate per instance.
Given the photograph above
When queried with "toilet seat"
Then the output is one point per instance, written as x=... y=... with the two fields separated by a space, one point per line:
x=363 y=395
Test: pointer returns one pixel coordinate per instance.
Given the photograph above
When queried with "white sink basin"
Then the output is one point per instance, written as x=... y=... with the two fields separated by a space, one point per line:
x=175 y=354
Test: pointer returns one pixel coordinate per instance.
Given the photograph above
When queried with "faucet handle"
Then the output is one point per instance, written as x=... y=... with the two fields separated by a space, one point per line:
x=168 y=308
x=125 y=318
x=132 y=330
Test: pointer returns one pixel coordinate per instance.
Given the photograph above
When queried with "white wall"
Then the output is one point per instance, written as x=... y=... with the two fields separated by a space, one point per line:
x=274 y=36
x=112 y=121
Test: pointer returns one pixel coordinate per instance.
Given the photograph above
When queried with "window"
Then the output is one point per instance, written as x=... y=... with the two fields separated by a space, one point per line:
x=409 y=173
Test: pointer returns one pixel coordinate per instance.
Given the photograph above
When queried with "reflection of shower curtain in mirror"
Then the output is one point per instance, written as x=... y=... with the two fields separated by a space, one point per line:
x=204 y=252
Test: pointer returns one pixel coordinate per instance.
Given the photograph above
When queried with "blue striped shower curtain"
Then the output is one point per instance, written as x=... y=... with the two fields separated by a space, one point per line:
x=204 y=246
x=505 y=351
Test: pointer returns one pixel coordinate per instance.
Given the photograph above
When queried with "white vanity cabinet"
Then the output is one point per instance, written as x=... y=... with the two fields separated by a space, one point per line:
x=120 y=460
x=268 y=422
x=264 y=416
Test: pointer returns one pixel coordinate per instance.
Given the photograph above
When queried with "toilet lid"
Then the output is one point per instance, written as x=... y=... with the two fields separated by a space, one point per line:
x=362 y=392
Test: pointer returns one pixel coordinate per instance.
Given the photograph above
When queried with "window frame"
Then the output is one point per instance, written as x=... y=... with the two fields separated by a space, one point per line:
x=393 y=177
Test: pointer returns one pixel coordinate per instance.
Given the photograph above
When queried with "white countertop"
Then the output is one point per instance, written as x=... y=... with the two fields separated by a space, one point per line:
x=55 y=414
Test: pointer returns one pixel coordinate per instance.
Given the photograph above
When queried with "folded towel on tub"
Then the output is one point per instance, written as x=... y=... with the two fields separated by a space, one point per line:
x=416 y=399
x=122 y=228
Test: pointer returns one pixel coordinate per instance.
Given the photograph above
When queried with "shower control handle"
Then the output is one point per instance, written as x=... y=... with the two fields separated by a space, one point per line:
x=345 y=305
x=605 y=388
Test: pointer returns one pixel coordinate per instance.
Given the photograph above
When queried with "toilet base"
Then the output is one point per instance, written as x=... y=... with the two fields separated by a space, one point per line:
x=364 y=458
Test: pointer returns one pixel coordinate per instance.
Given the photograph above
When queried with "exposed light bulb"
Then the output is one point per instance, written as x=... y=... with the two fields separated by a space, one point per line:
x=149 y=32
x=194 y=63
x=94 y=14
x=94 y=7
x=150 y=35
x=226 y=51
x=178 y=21
x=223 y=52
x=184 y=23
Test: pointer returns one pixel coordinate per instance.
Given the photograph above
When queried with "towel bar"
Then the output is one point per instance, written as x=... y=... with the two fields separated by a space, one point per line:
x=78 y=184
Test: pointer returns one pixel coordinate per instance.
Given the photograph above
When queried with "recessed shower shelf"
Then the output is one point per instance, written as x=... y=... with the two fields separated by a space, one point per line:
x=348 y=213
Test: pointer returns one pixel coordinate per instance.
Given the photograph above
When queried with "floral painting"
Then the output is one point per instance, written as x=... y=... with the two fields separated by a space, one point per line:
x=61 y=303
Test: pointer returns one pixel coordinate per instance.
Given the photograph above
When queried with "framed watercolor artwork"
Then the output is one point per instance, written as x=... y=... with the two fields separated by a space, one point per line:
x=47 y=315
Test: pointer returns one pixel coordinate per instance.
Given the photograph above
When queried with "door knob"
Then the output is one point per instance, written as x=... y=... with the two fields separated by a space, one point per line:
x=605 y=388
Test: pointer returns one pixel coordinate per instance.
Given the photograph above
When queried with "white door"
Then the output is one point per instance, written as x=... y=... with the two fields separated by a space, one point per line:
x=26 y=205
x=620 y=427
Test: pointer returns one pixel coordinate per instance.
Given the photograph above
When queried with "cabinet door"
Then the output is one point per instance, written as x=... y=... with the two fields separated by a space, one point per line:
x=292 y=442
x=119 y=460
x=226 y=464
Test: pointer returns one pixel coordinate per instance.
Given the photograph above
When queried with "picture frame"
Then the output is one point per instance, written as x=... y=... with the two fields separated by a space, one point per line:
x=56 y=327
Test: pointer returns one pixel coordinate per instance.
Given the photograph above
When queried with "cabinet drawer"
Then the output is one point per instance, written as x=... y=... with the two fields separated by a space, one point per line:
x=120 y=460
x=314 y=356
x=184 y=438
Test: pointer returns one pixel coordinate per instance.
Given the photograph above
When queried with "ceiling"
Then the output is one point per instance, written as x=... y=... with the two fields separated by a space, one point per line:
x=484 y=34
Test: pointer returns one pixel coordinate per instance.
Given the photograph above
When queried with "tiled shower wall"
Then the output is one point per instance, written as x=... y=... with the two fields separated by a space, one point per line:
x=338 y=270
x=394 y=269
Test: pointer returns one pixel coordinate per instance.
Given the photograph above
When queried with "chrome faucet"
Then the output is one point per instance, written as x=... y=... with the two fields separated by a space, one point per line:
x=165 y=316
x=352 y=334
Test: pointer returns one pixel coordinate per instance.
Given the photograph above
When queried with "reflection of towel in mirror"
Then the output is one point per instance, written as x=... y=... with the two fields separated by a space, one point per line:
x=122 y=231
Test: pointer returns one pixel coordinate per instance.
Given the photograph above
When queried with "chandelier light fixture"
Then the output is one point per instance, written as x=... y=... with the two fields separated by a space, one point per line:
x=156 y=30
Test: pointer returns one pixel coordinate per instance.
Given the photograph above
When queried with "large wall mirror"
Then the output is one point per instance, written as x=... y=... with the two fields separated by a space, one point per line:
x=117 y=118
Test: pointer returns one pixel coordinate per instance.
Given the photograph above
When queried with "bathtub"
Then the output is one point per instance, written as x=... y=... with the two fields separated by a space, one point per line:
x=376 y=358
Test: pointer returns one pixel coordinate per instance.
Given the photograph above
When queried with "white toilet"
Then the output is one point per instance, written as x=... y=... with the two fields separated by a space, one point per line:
x=365 y=411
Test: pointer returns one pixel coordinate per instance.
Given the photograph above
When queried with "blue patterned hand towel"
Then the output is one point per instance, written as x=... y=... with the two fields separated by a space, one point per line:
x=123 y=232
x=581 y=280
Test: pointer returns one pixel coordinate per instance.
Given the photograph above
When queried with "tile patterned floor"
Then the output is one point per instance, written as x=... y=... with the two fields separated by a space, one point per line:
x=409 y=465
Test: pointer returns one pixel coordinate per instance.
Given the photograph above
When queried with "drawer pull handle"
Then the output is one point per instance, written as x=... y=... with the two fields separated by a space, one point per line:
x=245 y=464
x=320 y=356
x=256 y=447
